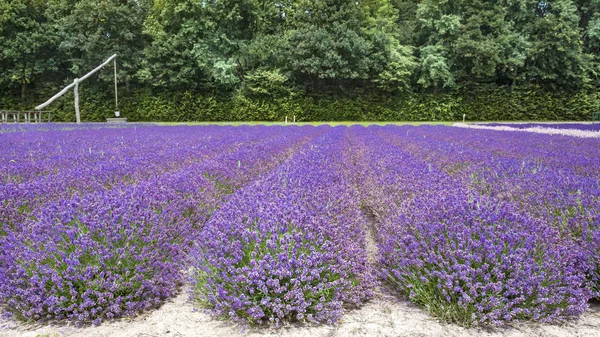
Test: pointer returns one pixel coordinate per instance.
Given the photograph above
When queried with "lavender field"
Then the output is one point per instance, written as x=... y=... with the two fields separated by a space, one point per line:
x=272 y=226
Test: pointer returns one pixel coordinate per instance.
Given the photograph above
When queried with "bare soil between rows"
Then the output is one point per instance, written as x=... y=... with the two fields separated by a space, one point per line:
x=384 y=315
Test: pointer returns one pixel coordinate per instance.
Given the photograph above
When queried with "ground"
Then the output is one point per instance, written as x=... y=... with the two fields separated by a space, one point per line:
x=385 y=315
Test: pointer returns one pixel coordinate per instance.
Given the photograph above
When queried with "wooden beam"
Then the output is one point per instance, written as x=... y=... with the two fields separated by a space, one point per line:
x=62 y=92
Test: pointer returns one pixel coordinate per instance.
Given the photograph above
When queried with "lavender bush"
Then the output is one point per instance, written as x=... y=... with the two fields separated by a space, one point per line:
x=288 y=247
x=464 y=255
x=472 y=263
x=99 y=257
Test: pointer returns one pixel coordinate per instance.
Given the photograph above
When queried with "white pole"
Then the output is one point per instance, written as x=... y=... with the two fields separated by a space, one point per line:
x=76 y=93
x=464 y=117
x=62 y=92
x=116 y=95
x=285 y=120
x=97 y=68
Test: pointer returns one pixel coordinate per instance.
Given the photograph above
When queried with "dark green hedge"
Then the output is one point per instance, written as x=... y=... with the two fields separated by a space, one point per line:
x=479 y=104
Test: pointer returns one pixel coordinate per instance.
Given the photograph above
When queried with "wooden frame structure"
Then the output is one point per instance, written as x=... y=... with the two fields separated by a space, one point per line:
x=6 y=116
x=75 y=86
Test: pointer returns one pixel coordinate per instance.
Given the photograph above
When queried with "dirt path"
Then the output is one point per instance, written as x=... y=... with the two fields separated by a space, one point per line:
x=385 y=315
x=370 y=238
x=564 y=132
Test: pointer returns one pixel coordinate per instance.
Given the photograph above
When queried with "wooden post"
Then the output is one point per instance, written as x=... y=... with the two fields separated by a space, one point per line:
x=76 y=93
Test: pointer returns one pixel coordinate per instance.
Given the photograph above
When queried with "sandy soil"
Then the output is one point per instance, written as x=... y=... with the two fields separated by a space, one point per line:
x=383 y=316
x=565 y=132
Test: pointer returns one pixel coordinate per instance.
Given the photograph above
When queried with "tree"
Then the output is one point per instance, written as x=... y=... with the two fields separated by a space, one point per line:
x=434 y=68
x=589 y=23
x=488 y=48
x=393 y=62
x=438 y=25
x=92 y=30
x=406 y=19
x=343 y=41
x=326 y=41
x=469 y=41
x=199 y=44
x=556 y=57
x=501 y=41
x=28 y=43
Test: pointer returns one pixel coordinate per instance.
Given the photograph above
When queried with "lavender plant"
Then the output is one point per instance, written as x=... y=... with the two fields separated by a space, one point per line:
x=103 y=256
x=475 y=263
x=112 y=251
x=467 y=257
x=289 y=247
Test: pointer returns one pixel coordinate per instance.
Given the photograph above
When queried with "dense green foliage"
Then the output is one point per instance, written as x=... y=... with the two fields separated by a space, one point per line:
x=486 y=104
x=316 y=59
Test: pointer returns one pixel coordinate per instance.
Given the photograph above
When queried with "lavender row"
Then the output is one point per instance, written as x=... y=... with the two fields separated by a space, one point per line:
x=534 y=152
x=289 y=247
x=42 y=127
x=116 y=252
x=122 y=153
x=108 y=254
x=47 y=154
x=129 y=157
x=466 y=257
x=565 y=195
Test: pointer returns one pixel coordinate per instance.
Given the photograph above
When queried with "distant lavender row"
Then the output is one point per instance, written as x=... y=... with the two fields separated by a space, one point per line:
x=55 y=165
x=575 y=126
x=27 y=127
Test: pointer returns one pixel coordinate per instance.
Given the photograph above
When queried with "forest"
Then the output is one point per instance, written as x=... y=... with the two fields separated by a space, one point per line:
x=218 y=60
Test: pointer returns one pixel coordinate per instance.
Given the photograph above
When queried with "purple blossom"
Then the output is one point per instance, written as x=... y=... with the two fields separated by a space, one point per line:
x=289 y=246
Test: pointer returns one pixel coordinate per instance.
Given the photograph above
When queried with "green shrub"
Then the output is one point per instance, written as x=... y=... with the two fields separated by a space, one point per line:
x=485 y=103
